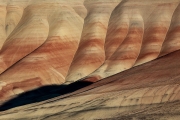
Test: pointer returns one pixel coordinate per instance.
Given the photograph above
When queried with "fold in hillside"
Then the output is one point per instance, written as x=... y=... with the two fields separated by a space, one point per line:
x=41 y=47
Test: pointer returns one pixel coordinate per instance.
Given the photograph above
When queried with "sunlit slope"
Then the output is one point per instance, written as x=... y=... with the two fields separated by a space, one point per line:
x=45 y=42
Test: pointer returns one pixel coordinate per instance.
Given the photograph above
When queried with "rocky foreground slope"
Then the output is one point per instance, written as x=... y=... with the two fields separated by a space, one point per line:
x=54 y=42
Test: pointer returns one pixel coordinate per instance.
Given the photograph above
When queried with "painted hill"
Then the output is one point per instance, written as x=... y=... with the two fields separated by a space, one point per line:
x=49 y=42
x=59 y=42
x=149 y=91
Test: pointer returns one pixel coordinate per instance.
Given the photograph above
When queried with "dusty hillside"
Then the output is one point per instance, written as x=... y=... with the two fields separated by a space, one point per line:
x=54 y=42
x=150 y=91
x=45 y=42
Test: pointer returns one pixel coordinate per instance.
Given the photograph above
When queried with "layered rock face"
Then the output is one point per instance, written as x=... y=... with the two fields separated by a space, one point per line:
x=149 y=91
x=40 y=49
x=45 y=42
x=55 y=42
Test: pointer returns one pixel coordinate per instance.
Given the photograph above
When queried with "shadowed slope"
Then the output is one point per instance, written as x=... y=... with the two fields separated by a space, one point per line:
x=42 y=93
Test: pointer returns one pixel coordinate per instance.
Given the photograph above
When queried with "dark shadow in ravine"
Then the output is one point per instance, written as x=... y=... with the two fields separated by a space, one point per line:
x=43 y=93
